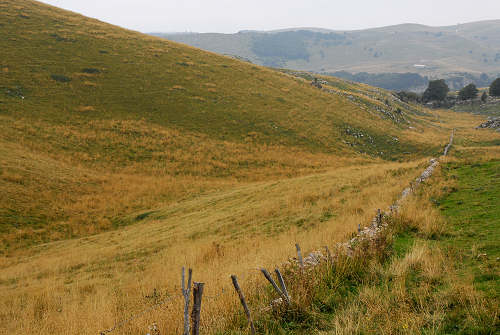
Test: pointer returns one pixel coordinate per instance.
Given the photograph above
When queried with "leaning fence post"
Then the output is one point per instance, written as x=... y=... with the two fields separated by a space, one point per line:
x=243 y=303
x=299 y=255
x=273 y=283
x=195 y=314
x=186 y=293
x=282 y=285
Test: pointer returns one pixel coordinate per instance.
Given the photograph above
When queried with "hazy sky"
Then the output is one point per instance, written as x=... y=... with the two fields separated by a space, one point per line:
x=230 y=16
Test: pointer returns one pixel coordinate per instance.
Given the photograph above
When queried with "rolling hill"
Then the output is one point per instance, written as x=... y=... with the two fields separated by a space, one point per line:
x=472 y=48
x=90 y=112
x=125 y=156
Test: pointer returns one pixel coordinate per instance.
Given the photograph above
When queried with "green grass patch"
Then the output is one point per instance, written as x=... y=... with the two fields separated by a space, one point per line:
x=473 y=211
x=402 y=243
x=407 y=281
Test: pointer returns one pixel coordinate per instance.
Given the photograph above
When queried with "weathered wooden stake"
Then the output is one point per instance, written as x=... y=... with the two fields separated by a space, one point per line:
x=195 y=314
x=273 y=283
x=299 y=255
x=243 y=303
x=328 y=254
x=282 y=285
x=379 y=217
x=186 y=292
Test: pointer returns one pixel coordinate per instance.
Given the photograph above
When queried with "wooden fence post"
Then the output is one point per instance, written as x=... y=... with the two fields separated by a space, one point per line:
x=243 y=303
x=195 y=314
x=282 y=285
x=186 y=292
x=273 y=283
x=299 y=255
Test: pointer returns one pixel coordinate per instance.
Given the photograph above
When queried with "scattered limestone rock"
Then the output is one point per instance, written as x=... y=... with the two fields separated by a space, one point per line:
x=317 y=83
x=493 y=123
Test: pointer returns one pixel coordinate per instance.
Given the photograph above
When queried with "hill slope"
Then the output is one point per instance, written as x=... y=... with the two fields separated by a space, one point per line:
x=188 y=158
x=97 y=122
x=472 y=48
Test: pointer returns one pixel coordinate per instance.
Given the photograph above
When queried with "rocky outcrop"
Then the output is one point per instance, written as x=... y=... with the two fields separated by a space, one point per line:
x=318 y=83
x=490 y=124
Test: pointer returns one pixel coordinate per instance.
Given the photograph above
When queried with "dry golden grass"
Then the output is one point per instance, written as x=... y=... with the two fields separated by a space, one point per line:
x=86 y=190
x=234 y=231
x=229 y=228
x=155 y=121
x=85 y=108
x=424 y=289
x=423 y=216
x=255 y=166
x=398 y=307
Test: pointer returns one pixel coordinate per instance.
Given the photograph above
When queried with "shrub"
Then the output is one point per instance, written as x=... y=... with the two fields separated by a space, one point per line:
x=17 y=92
x=60 y=78
x=407 y=96
x=495 y=88
x=468 y=92
x=484 y=97
x=91 y=70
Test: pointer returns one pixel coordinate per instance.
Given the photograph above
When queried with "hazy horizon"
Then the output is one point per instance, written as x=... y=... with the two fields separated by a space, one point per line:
x=225 y=16
x=322 y=28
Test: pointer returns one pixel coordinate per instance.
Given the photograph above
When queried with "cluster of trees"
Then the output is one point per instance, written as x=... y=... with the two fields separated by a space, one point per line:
x=412 y=81
x=437 y=93
x=470 y=92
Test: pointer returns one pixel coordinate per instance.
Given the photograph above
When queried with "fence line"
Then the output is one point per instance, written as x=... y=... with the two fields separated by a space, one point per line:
x=313 y=259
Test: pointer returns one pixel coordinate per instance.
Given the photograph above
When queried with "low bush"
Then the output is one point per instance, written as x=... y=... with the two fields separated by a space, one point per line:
x=91 y=70
x=60 y=78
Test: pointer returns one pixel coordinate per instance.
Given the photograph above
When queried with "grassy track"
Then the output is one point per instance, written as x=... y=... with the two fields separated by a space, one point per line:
x=473 y=211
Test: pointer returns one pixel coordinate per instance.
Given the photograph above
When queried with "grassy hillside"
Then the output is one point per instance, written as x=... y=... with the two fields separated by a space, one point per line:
x=98 y=122
x=472 y=47
x=124 y=157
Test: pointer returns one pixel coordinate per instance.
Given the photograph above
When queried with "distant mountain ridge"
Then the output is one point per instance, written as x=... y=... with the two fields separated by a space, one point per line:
x=472 y=48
